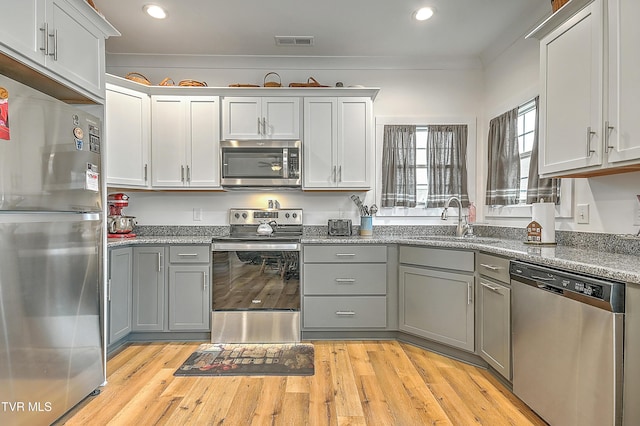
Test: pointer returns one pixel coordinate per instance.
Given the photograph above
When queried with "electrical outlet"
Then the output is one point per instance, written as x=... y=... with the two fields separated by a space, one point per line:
x=582 y=213
x=197 y=214
x=636 y=212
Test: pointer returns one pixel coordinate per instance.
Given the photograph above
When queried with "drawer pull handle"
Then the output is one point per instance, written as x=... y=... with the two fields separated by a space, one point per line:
x=345 y=280
x=493 y=268
x=187 y=254
x=345 y=313
x=490 y=287
x=345 y=254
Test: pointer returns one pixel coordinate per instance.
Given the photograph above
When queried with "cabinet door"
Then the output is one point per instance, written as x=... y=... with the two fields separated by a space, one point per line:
x=281 y=118
x=242 y=118
x=354 y=143
x=120 y=293
x=319 y=142
x=203 y=149
x=127 y=132
x=76 y=47
x=437 y=305
x=168 y=138
x=189 y=298
x=148 y=289
x=21 y=31
x=571 y=93
x=623 y=138
x=495 y=326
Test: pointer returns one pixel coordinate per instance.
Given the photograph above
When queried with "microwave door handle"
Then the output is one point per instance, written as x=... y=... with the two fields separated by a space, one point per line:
x=285 y=163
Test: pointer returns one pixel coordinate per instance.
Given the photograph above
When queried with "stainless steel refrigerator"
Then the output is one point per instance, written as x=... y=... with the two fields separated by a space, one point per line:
x=51 y=242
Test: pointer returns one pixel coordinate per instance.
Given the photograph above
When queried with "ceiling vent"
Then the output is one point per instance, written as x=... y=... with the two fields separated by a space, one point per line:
x=294 y=40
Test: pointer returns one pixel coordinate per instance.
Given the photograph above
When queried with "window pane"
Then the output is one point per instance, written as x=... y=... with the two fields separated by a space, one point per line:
x=421 y=138
x=524 y=166
x=528 y=142
x=421 y=195
x=530 y=121
x=521 y=144
x=421 y=157
x=421 y=176
x=520 y=124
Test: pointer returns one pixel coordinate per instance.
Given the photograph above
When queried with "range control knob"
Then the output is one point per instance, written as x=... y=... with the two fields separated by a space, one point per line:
x=295 y=215
x=237 y=215
x=244 y=215
x=287 y=215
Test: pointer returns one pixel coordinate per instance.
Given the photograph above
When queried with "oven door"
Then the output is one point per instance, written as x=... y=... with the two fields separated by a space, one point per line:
x=256 y=292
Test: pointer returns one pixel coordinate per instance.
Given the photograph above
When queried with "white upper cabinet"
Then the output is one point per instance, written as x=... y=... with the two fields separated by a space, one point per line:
x=246 y=118
x=63 y=39
x=185 y=142
x=589 y=90
x=571 y=94
x=128 y=137
x=623 y=126
x=337 y=145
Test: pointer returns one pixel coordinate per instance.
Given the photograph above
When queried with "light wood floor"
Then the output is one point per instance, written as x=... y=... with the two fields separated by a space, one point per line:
x=355 y=383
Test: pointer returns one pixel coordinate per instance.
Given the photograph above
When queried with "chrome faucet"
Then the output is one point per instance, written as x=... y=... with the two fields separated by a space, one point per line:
x=461 y=230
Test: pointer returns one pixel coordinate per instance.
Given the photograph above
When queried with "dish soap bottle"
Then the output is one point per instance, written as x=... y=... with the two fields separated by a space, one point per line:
x=472 y=212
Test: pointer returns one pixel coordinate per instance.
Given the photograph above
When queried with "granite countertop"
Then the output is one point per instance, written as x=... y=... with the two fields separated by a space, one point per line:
x=621 y=267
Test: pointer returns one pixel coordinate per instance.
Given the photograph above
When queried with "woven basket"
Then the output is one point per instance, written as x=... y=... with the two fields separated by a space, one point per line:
x=311 y=82
x=272 y=83
x=192 y=83
x=557 y=4
x=167 y=82
x=138 y=78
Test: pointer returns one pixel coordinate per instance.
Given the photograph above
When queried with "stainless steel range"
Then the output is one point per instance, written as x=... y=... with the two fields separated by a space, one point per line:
x=256 y=277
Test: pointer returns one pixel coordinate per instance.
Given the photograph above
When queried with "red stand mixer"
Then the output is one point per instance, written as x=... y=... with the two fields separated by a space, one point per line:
x=119 y=225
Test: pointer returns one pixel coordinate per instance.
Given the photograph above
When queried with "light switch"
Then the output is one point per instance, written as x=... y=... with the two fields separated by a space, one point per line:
x=582 y=213
x=197 y=214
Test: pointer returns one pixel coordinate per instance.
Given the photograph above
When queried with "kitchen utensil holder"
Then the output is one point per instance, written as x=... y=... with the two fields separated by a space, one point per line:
x=366 y=226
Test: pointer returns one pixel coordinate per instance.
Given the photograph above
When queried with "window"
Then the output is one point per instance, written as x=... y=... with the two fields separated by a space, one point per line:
x=422 y=177
x=526 y=132
x=427 y=187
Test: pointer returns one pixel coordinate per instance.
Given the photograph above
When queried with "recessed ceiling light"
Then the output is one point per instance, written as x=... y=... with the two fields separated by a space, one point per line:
x=155 y=11
x=423 y=14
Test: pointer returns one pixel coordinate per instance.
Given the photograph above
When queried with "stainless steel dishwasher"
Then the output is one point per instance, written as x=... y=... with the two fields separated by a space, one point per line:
x=567 y=335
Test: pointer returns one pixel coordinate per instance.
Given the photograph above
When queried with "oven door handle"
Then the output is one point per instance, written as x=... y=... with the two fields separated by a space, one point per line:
x=255 y=246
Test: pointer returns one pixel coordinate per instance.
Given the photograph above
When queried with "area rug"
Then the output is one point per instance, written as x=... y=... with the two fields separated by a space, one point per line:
x=223 y=359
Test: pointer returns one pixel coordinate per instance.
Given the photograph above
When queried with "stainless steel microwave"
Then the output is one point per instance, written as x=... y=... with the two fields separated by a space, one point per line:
x=261 y=163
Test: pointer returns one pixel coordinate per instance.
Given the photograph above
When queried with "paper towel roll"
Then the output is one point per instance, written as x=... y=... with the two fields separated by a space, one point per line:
x=545 y=215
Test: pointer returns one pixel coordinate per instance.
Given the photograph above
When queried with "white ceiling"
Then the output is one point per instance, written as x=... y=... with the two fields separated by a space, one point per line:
x=459 y=28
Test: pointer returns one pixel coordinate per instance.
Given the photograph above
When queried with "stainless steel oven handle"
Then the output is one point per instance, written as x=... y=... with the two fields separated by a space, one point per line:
x=256 y=246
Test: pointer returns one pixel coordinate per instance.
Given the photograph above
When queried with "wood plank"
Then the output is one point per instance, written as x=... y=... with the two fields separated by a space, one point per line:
x=344 y=385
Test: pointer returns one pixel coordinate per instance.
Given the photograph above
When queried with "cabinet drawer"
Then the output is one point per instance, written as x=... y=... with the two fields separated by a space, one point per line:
x=189 y=254
x=344 y=279
x=495 y=267
x=437 y=258
x=345 y=253
x=345 y=312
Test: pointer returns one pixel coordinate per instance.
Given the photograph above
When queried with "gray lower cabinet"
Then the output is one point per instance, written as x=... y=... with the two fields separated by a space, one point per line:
x=344 y=287
x=493 y=312
x=494 y=306
x=149 y=288
x=173 y=295
x=436 y=303
x=189 y=288
x=119 y=293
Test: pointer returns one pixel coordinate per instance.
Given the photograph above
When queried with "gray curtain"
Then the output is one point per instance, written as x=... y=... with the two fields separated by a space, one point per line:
x=538 y=188
x=503 y=171
x=399 y=166
x=447 y=164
